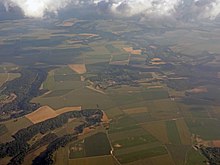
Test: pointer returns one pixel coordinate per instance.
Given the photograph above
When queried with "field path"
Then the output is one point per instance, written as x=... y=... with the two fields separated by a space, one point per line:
x=112 y=149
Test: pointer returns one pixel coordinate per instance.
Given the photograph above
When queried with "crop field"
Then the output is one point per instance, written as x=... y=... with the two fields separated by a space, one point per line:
x=142 y=117
x=46 y=112
x=158 y=160
x=126 y=158
x=95 y=145
x=121 y=57
x=194 y=158
x=14 y=125
x=163 y=109
x=107 y=160
x=132 y=51
x=173 y=134
x=185 y=135
x=8 y=128
x=179 y=153
x=112 y=49
x=42 y=114
x=155 y=116
x=68 y=109
x=133 y=141
x=101 y=143
x=136 y=110
x=56 y=93
x=206 y=128
x=122 y=123
x=157 y=129
x=78 y=68
x=130 y=138
x=66 y=77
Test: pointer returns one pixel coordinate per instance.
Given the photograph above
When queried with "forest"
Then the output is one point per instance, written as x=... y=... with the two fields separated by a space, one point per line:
x=19 y=147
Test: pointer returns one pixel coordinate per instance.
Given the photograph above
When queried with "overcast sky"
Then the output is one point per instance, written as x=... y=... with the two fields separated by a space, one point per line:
x=191 y=9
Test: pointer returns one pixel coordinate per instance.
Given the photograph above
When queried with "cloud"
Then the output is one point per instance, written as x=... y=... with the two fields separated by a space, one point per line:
x=150 y=7
x=190 y=9
x=212 y=10
x=38 y=8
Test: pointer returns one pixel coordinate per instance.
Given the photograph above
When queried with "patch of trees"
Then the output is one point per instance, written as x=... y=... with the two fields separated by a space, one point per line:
x=25 y=88
x=212 y=154
x=46 y=157
x=43 y=141
x=116 y=75
x=19 y=147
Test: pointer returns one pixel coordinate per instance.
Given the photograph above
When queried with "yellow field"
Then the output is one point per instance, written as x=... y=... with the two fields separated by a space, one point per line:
x=105 y=118
x=132 y=51
x=136 y=110
x=46 y=112
x=157 y=129
x=88 y=35
x=78 y=68
x=68 y=109
x=198 y=90
x=42 y=114
x=68 y=23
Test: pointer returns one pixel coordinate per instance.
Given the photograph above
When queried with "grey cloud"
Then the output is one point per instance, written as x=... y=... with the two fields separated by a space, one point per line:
x=179 y=9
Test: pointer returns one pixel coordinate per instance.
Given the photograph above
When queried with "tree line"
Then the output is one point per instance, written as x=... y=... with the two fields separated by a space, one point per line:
x=19 y=147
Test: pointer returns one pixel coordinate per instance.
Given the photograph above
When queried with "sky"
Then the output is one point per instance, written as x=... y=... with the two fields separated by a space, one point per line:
x=190 y=9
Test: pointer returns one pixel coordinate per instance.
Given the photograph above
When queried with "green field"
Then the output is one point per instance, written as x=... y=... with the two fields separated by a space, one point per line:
x=142 y=154
x=184 y=133
x=120 y=57
x=57 y=93
x=173 y=133
x=134 y=141
x=131 y=138
x=158 y=129
x=158 y=160
x=205 y=128
x=122 y=123
x=112 y=49
x=97 y=145
x=16 y=124
x=194 y=158
x=66 y=77
x=179 y=153
x=106 y=160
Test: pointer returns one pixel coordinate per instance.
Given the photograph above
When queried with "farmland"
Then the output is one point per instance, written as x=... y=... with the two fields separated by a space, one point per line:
x=160 y=100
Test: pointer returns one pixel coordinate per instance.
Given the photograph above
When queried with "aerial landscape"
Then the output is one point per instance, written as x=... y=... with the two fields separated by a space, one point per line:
x=113 y=82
